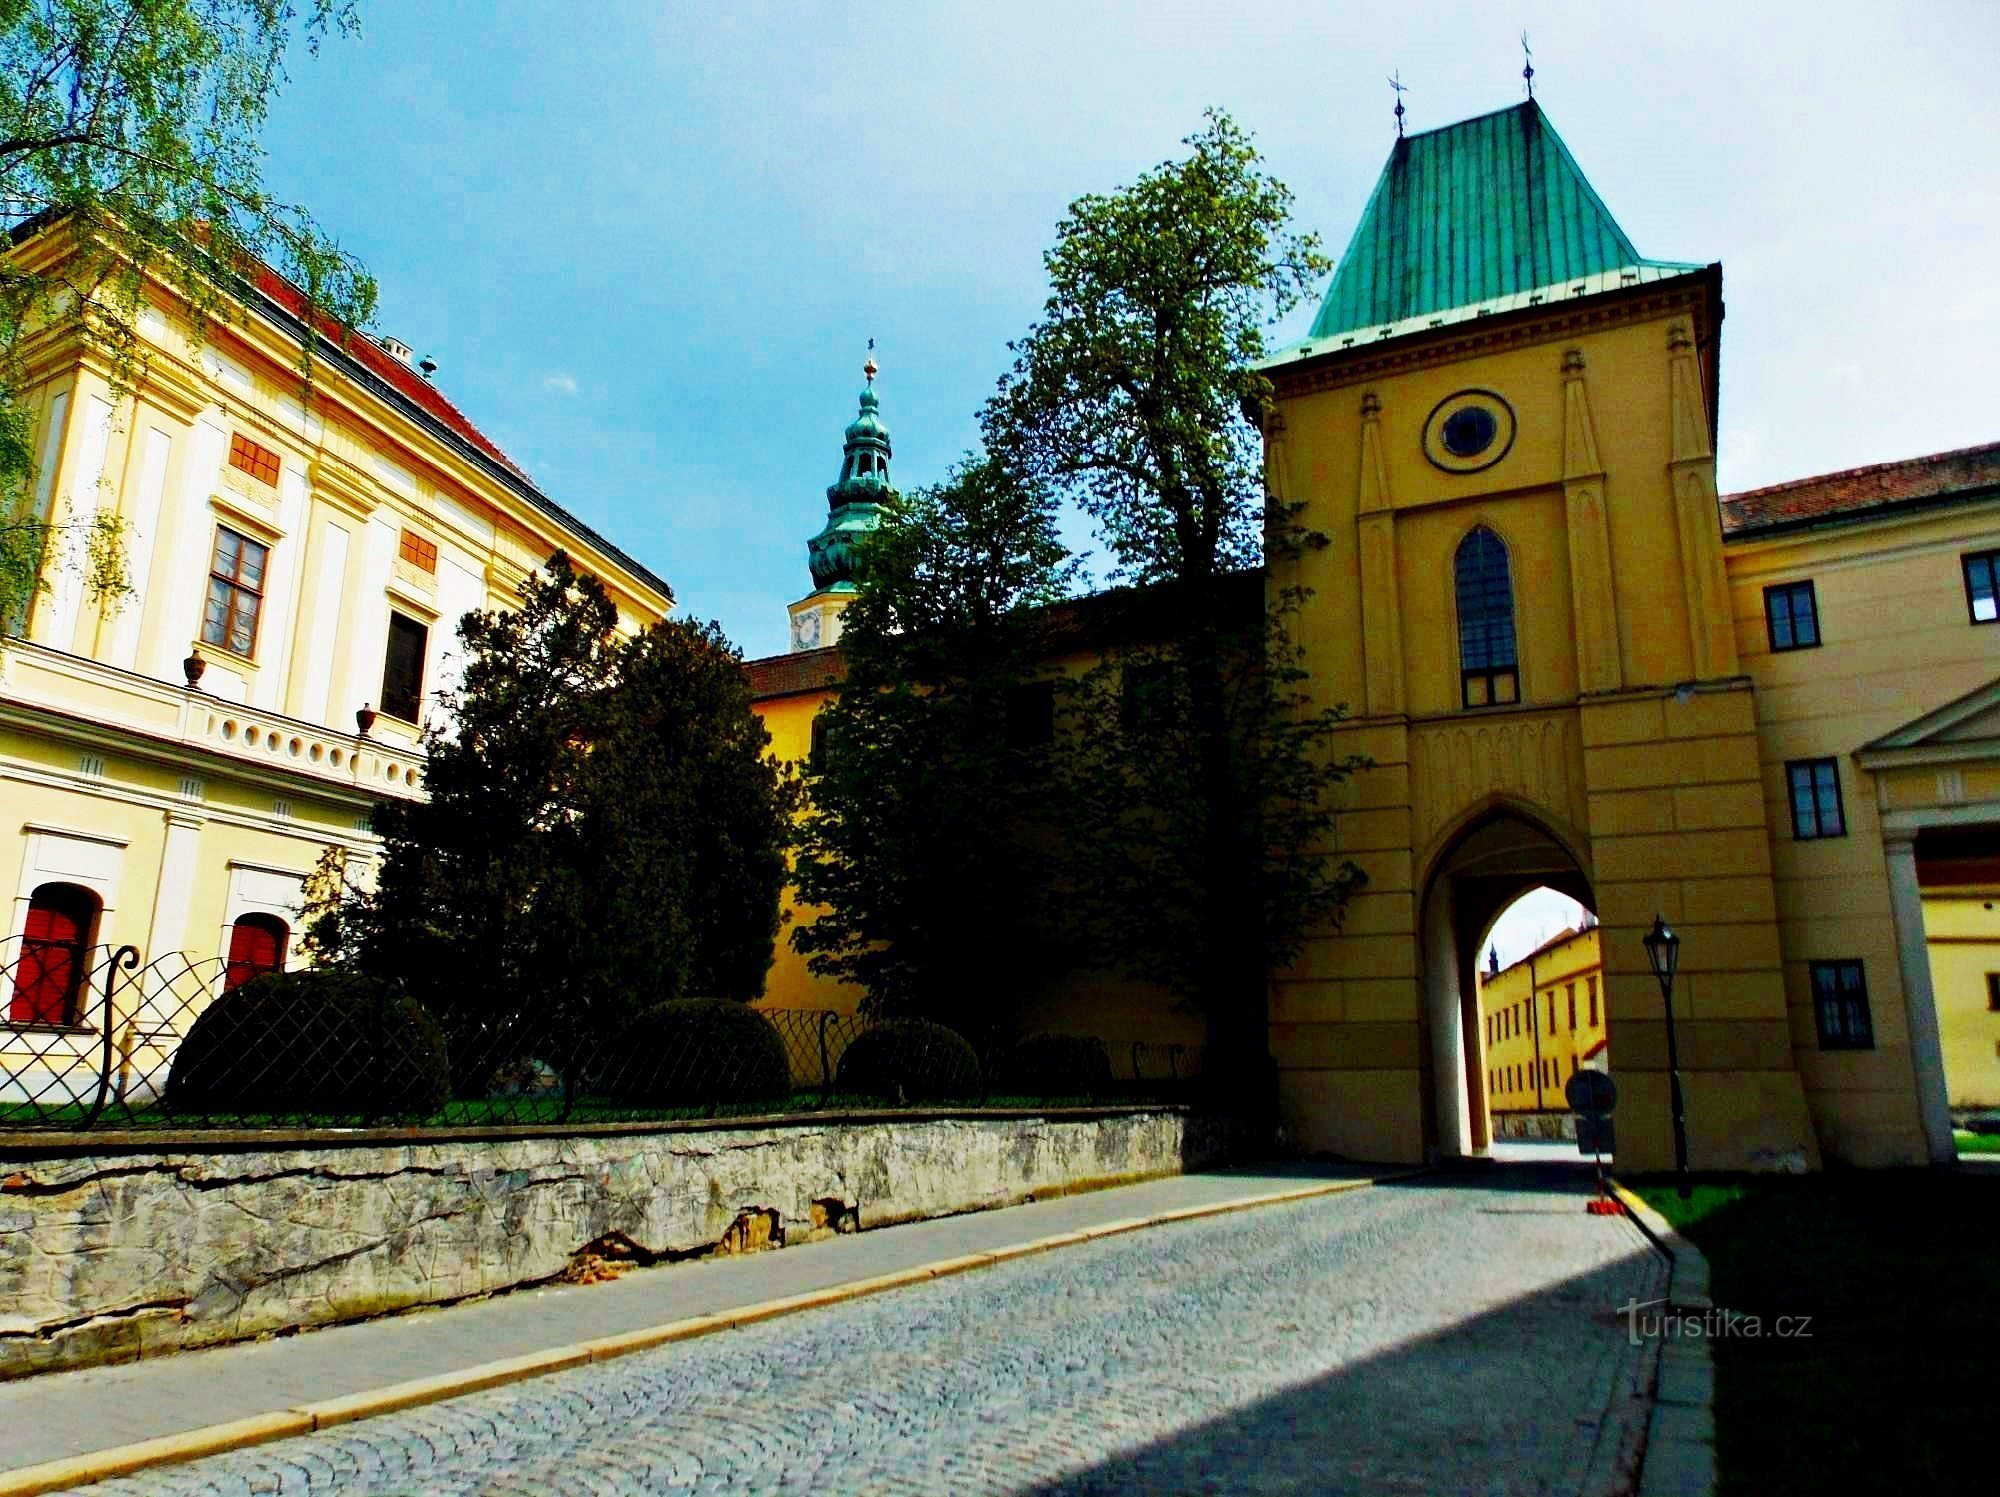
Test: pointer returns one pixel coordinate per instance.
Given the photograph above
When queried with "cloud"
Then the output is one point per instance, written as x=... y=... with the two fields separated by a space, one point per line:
x=564 y=384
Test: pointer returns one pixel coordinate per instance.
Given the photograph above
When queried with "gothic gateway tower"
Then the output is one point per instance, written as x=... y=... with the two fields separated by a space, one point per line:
x=1503 y=419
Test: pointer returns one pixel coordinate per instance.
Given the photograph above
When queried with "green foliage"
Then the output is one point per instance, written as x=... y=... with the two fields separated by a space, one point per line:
x=700 y=1052
x=602 y=830
x=927 y=842
x=1199 y=822
x=1055 y=1065
x=910 y=1060
x=311 y=1042
x=133 y=125
x=1137 y=392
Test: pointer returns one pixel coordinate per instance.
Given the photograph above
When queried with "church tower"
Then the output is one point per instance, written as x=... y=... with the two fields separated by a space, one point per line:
x=854 y=504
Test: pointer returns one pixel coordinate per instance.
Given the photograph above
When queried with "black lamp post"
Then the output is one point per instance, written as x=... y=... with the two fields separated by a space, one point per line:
x=1663 y=950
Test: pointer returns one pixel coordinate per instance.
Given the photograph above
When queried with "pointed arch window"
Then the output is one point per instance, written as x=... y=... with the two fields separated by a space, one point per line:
x=54 y=958
x=1488 y=669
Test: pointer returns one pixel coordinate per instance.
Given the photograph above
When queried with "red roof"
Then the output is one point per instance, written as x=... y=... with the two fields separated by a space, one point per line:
x=1858 y=493
x=407 y=382
x=803 y=670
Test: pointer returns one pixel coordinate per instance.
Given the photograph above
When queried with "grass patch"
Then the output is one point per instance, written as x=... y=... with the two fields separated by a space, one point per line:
x=1977 y=1143
x=1892 y=1390
x=532 y=1111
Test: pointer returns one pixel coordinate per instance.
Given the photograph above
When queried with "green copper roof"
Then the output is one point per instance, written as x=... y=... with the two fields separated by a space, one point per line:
x=1473 y=212
x=855 y=499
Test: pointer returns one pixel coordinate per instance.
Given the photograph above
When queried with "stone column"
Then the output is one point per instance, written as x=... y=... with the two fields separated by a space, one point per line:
x=1920 y=1004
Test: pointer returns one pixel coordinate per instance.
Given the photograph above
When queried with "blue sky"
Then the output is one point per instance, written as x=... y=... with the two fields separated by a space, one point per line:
x=647 y=244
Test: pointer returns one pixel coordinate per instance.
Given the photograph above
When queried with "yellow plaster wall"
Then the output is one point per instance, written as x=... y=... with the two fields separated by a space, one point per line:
x=1526 y=1031
x=1963 y=928
x=1896 y=643
x=1635 y=743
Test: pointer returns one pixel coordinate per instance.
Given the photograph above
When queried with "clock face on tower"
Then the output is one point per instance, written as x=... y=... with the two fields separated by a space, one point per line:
x=805 y=630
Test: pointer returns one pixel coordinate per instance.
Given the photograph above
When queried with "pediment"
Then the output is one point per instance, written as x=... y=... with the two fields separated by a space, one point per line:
x=1972 y=722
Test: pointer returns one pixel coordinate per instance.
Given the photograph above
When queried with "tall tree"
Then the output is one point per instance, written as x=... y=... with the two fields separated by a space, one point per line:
x=1137 y=395
x=926 y=840
x=603 y=828
x=133 y=127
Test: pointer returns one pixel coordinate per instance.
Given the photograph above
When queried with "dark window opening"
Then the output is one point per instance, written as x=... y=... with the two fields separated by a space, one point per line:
x=403 y=668
x=816 y=751
x=1982 y=586
x=1840 y=1006
x=1815 y=796
x=1031 y=715
x=1791 y=616
x=1146 y=696
x=1993 y=992
x=1488 y=668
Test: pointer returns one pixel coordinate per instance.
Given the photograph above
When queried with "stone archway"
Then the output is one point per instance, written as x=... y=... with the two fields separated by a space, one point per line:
x=1488 y=863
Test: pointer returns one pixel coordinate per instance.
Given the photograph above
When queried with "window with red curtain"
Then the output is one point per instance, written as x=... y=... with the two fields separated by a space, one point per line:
x=55 y=955
x=256 y=946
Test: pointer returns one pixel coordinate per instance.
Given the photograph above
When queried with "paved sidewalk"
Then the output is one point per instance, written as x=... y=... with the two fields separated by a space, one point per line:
x=1452 y=1333
x=73 y=1413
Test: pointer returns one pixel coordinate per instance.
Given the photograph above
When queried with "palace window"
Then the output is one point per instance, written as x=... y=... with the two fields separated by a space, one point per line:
x=1552 y=1010
x=403 y=668
x=1791 y=616
x=256 y=946
x=816 y=751
x=1840 y=1006
x=1590 y=987
x=1993 y=992
x=259 y=461
x=1815 y=793
x=235 y=592
x=1982 y=586
x=1145 y=696
x=418 y=552
x=1031 y=715
x=1572 y=1007
x=1487 y=667
x=54 y=958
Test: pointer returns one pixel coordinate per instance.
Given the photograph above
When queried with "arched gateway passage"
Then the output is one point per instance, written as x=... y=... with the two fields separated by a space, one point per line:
x=1493 y=859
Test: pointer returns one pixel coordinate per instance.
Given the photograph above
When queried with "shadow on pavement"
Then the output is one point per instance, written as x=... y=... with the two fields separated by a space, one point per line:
x=1543 y=1394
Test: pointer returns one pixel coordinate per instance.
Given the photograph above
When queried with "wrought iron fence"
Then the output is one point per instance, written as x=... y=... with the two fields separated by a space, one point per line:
x=98 y=1037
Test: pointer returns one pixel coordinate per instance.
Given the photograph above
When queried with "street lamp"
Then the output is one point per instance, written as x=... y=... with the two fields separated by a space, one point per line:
x=1663 y=950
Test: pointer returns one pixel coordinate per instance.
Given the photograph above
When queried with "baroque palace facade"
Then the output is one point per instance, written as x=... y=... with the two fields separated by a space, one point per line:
x=173 y=763
x=1772 y=718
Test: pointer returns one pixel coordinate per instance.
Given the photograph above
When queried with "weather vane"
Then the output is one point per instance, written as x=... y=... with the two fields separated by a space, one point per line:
x=1396 y=82
x=1528 y=64
x=869 y=367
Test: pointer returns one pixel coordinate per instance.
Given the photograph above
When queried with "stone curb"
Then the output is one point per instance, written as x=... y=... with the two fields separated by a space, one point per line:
x=215 y=1439
x=1680 y=1432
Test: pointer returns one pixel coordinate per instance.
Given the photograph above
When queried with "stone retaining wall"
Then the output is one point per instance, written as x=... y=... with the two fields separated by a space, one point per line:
x=111 y=1255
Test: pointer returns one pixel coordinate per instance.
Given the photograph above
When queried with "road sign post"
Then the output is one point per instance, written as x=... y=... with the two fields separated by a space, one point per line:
x=1591 y=1096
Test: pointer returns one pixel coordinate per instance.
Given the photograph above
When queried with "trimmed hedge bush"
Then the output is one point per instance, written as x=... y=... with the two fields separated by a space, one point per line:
x=701 y=1052
x=312 y=1042
x=1056 y=1065
x=910 y=1060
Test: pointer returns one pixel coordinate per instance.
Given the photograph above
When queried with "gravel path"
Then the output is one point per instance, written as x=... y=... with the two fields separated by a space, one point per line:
x=1441 y=1335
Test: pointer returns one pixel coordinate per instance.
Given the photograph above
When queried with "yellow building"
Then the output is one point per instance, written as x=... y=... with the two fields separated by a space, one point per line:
x=1963 y=925
x=1541 y=1020
x=171 y=764
x=1772 y=718
x=1575 y=667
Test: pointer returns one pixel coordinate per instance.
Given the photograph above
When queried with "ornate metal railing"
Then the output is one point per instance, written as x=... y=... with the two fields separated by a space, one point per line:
x=90 y=1038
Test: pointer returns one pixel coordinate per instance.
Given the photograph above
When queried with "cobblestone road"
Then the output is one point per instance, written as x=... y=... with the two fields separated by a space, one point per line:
x=1433 y=1336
